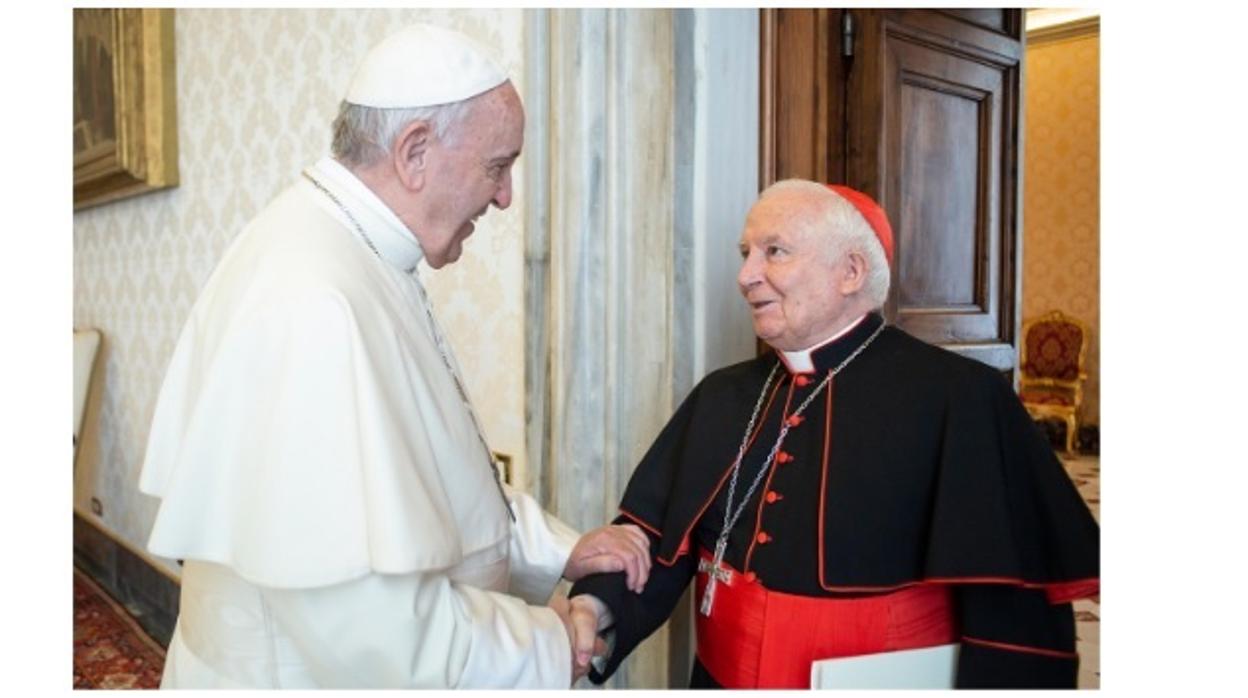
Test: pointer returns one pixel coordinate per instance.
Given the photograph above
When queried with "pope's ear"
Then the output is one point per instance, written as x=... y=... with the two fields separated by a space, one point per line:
x=411 y=154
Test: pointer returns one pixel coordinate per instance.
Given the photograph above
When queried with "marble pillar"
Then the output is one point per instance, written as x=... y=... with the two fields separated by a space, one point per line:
x=641 y=157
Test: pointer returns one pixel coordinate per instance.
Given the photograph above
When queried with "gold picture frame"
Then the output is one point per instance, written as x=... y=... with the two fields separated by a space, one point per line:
x=125 y=115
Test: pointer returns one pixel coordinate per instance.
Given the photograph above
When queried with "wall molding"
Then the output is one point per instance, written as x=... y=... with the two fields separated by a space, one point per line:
x=148 y=592
x=1078 y=29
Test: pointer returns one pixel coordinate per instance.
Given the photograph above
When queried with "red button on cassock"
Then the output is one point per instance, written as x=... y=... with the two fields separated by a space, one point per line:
x=801 y=381
x=750 y=576
x=773 y=497
x=762 y=538
x=795 y=420
x=783 y=457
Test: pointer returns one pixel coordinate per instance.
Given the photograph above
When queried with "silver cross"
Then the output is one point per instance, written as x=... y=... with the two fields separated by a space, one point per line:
x=716 y=573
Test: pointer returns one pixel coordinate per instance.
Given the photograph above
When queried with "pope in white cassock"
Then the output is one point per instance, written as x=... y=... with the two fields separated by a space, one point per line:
x=321 y=471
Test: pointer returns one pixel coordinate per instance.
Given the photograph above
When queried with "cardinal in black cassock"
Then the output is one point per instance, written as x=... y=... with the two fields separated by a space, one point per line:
x=856 y=492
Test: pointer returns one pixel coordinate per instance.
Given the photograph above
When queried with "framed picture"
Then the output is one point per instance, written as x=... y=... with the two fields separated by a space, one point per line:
x=125 y=117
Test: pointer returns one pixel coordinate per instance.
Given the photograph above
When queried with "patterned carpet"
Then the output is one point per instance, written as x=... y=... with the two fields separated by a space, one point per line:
x=1085 y=471
x=110 y=649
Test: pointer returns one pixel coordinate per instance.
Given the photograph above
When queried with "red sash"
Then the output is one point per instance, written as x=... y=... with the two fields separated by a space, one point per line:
x=756 y=638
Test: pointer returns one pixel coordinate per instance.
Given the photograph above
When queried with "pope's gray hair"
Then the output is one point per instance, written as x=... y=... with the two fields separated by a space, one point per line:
x=848 y=231
x=364 y=135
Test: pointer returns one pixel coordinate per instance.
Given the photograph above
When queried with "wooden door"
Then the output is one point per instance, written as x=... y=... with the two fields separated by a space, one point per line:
x=920 y=109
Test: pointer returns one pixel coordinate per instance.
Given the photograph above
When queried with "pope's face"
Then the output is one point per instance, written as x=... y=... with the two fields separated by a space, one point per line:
x=470 y=173
x=787 y=279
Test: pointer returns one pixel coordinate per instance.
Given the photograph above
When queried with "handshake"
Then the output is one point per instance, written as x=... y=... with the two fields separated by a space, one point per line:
x=622 y=548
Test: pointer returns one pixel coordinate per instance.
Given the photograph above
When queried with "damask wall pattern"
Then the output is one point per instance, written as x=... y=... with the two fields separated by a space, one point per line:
x=256 y=92
x=1061 y=199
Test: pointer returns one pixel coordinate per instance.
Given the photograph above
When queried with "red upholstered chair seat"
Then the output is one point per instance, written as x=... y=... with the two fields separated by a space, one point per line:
x=1039 y=397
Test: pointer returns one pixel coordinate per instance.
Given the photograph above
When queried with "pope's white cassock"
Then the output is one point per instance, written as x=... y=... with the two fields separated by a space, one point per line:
x=325 y=483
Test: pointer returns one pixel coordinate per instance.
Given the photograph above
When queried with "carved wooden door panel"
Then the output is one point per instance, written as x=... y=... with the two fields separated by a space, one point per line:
x=920 y=109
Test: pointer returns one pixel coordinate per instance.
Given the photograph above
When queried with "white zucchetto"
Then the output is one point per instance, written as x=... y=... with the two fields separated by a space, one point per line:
x=423 y=66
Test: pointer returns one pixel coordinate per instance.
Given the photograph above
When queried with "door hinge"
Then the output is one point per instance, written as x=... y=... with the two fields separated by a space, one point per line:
x=847 y=34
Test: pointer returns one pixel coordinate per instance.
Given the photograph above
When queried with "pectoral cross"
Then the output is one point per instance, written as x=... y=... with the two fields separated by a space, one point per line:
x=716 y=573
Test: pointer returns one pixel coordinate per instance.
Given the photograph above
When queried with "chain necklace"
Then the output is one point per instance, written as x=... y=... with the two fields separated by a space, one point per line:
x=438 y=337
x=716 y=572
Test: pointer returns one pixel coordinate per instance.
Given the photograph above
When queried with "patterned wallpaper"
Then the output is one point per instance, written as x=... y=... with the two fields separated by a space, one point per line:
x=256 y=92
x=1061 y=197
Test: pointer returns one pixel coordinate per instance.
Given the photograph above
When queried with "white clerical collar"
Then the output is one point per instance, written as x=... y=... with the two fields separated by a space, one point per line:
x=800 y=362
x=393 y=241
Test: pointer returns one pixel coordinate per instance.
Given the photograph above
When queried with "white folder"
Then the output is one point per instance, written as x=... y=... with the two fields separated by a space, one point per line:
x=929 y=667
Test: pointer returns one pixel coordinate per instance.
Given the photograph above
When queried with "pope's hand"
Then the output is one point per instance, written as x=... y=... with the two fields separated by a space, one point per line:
x=622 y=548
x=580 y=620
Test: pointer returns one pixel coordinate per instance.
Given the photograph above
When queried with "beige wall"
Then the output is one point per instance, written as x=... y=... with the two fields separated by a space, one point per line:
x=256 y=91
x=1061 y=196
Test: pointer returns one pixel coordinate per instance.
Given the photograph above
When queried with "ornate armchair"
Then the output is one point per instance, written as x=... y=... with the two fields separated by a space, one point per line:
x=1051 y=369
